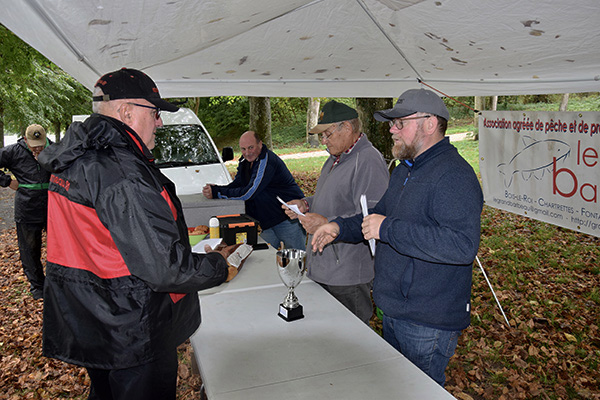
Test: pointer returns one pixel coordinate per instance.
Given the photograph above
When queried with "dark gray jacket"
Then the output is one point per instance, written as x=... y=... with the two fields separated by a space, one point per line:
x=31 y=199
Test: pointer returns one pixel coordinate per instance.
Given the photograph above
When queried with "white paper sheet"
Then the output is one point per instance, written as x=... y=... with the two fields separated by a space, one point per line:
x=292 y=207
x=199 y=247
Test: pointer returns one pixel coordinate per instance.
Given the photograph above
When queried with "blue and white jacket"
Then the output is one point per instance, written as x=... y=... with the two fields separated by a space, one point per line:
x=258 y=184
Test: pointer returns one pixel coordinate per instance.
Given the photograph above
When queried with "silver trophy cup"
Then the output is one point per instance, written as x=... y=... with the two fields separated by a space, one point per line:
x=291 y=265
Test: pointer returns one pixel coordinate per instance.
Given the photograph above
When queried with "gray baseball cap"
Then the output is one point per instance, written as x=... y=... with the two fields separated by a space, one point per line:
x=414 y=101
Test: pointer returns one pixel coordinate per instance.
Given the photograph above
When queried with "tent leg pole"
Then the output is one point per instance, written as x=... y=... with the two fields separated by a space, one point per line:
x=492 y=289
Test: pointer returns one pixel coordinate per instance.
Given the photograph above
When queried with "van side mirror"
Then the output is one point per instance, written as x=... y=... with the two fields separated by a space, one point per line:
x=227 y=154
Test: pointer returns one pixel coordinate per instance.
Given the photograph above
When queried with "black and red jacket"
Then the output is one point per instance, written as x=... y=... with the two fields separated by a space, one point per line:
x=119 y=262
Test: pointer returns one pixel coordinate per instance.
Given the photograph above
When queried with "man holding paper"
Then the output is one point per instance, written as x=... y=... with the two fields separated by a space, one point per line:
x=354 y=168
x=428 y=227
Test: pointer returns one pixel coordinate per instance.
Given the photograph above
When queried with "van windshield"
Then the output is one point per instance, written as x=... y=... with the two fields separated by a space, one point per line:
x=178 y=145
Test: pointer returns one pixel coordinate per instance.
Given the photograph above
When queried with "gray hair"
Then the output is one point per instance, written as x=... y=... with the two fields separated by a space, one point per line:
x=105 y=107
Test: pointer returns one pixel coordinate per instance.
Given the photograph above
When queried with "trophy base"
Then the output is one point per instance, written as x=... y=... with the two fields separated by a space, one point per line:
x=290 y=314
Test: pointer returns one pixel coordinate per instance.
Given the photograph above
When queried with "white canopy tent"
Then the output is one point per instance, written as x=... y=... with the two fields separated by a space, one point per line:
x=321 y=48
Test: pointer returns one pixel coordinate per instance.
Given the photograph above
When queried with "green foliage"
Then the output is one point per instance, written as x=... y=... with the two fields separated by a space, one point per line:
x=224 y=117
x=34 y=90
x=289 y=135
x=286 y=111
x=227 y=117
x=457 y=110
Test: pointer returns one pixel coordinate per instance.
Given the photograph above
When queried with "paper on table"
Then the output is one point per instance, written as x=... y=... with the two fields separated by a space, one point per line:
x=292 y=207
x=365 y=212
x=199 y=247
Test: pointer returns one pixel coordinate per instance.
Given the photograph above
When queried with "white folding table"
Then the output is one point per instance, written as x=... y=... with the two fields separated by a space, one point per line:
x=244 y=350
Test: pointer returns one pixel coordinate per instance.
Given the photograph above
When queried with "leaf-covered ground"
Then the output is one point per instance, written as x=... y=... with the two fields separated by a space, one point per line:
x=546 y=278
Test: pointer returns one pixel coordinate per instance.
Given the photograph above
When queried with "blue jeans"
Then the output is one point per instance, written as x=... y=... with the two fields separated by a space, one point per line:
x=289 y=232
x=429 y=349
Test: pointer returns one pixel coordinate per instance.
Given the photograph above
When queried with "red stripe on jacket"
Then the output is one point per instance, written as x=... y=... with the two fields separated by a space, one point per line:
x=166 y=196
x=175 y=297
x=77 y=239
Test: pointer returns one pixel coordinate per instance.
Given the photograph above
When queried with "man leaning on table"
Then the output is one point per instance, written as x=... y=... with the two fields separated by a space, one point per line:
x=121 y=284
x=353 y=168
x=428 y=226
x=262 y=177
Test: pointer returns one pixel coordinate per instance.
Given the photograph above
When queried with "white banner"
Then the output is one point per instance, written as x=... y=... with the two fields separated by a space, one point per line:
x=543 y=165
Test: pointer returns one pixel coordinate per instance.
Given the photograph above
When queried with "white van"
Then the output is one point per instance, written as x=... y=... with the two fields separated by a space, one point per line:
x=187 y=155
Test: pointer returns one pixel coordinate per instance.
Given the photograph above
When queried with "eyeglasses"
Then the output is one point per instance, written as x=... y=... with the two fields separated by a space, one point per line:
x=326 y=136
x=156 y=109
x=398 y=122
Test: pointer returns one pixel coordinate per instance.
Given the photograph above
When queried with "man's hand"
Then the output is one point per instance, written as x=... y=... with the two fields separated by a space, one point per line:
x=370 y=226
x=301 y=206
x=324 y=235
x=207 y=191
x=14 y=184
x=231 y=273
x=225 y=251
x=312 y=221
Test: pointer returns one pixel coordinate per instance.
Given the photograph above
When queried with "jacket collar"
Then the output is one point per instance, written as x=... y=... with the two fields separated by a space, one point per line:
x=130 y=136
x=438 y=148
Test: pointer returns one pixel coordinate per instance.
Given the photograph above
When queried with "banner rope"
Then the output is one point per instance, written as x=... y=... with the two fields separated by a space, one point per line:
x=450 y=97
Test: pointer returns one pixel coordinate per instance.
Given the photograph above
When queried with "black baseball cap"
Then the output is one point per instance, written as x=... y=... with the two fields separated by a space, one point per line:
x=129 y=83
x=413 y=101
x=331 y=113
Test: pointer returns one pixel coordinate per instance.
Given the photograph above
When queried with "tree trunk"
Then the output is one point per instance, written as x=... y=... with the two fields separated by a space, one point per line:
x=56 y=125
x=260 y=119
x=1 y=124
x=479 y=107
x=564 y=102
x=196 y=105
x=312 y=117
x=377 y=132
x=494 y=103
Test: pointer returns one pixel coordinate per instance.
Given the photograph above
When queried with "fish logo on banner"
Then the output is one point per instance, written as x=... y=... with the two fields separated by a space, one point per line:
x=527 y=166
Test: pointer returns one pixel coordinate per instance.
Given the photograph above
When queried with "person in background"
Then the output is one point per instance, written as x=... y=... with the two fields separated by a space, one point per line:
x=31 y=200
x=262 y=177
x=121 y=283
x=428 y=228
x=353 y=168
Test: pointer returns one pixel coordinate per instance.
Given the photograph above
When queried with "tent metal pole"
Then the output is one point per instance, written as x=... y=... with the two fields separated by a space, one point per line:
x=492 y=289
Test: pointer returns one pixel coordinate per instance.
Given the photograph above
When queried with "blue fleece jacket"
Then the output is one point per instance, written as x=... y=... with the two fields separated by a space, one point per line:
x=428 y=241
x=258 y=184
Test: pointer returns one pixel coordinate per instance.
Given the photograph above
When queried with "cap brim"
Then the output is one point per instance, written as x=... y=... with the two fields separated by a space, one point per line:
x=36 y=143
x=321 y=127
x=392 y=113
x=164 y=105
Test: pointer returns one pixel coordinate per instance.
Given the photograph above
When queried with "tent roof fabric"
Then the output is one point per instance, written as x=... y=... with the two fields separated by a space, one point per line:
x=321 y=48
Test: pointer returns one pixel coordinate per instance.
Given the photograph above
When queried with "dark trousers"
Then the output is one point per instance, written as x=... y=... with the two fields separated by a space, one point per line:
x=153 y=381
x=29 y=237
x=356 y=298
